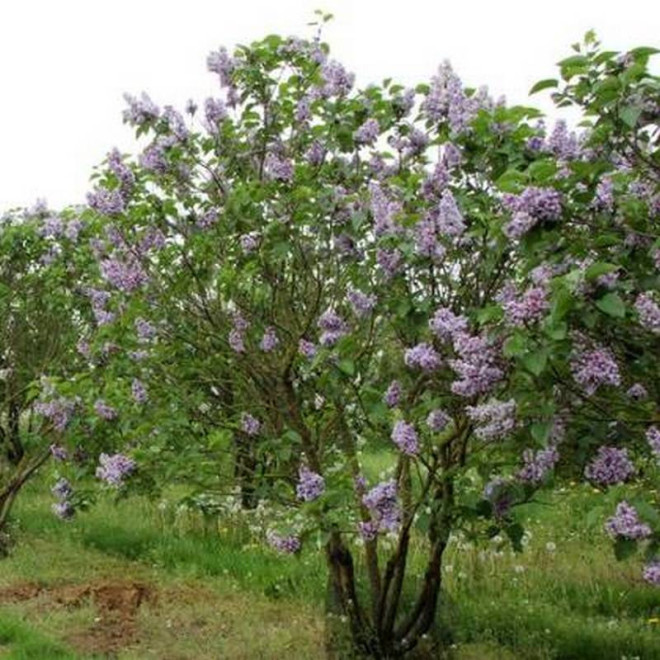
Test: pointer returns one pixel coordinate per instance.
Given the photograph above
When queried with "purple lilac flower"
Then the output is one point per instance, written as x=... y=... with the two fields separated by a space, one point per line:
x=393 y=395
x=336 y=80
x=625 y=523
x=637 y=392
x=383 y=210
x=73 y=228
x=540 y=203
x=494 y=419
x=58 y=452
x=426 y=239
x=423 y=356
x=497 y=492
x=594 y=368
x=122 y=171
x=389 y=262
x=367 y=134
x=537 y=465
x=62 y=489
x=104 y=411
x=404 y=437
x=476 y=366
x=437 y=420
x=223 y=64
x=450 y=220
x=653 y=438
x=113 y=469
x=145 y=330
x=315 y=155
x=237 y=333
x=310 y=485
x=436 y=182
x=652 y=572
x=333 y=326
x=249 y=242
x=214 y=112
x=51 y=227
x=286 y=544
x=139 y=391
x=307 y=348
x=528 y=308
x=106 y=202
x=610 y=466
x=563 y=143
x=649 y=313
x=519 y=225
x=59 y=411
x=208 y=219
x=250 y=425
x=381 y=502
x=63 y=510
x=605 y=194
x=361 y=303
x=279 y=168
x=270 y=341
x=446 y=325
x=126 y=275
x=140 y=110
x=153 y=158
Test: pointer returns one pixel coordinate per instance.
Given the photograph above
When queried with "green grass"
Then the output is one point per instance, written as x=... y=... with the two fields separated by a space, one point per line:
x=570 y=600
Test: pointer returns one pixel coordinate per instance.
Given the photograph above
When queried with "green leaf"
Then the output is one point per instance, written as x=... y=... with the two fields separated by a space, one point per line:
x=515 y=533
x=347 y=366
x=598 y=269
x=540 y=431
x=514 y=345
x=630 y=114
x=536 y=361
x=612 y=305
x=543 y=84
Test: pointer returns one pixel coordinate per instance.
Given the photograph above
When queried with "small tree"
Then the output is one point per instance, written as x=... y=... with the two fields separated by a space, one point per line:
x=318 y=272
x=41 y=319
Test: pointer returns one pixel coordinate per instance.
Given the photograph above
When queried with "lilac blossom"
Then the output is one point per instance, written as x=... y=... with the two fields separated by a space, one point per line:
x=494 y=420
x=51 y=227
x=562 y=143
x=125 y=274
x=637 y=392
x=426 y=239
x=58 y=410
x=214 y=113
x=249 y=242
x=63 y=510
x=528 y=308
x=106 y=202
x=651 y=572
x=315 y=155
x=422 y=356
x=250 y=425
x=310 y=485
x=438 y=420
x=540 y=203
x=649 y=313
x=208 y=219
x=122 y=171
x=140 y=110
x=476 y=366
x=446 y=325
x=610 y=466
x=450 y=220
x=361 y=303
x=519 y=225
x=384 y=211
x=285 y=544
x=278 y=168
x=58 y=452
x=593 y=368
x=307 y=348
x=393 y=394
x=104 y=411
x=381 y=502
x=653 y=438
x=139 y=391
x=537 y=465
x=62 y=489
x=405 y=438
x=270 y=341
x=223 y=64
x=367 y=134
x=333 y=327
x=625 y=523
x=336 y=80
x=113 y=469
x=145 y=330
x=389 y=262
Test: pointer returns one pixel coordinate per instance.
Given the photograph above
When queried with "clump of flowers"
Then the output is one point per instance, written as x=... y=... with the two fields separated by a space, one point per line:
x=404 y=437
x=392 y=396
x=610 y=466
x=310 y=485
x=423 y=356
x=114 y=468
x=595 y=368
x=63 y=508
x=625 y=523
x=285 y=544
x=384 y=510
x=537 y=465
x=494 y=420
x=250 y=424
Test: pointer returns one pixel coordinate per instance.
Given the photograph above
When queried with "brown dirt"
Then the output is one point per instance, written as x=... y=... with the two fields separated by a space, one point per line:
x=116 y=604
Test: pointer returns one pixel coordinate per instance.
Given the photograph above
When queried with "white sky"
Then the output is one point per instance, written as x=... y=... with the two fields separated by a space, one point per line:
x=64 y=64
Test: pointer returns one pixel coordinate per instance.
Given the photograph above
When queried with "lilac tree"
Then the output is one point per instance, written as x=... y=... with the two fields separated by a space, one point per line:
x=301 y=273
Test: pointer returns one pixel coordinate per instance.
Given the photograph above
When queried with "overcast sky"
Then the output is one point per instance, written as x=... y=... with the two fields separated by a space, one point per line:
x=64 y=64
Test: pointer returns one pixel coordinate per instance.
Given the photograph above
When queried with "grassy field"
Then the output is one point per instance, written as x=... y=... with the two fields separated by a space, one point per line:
x=138 y=580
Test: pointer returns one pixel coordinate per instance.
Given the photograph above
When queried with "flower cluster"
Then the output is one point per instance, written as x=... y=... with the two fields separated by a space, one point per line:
x=593 y=368
x=333 y=327
x=446 y=325
x=423 y=356
x=625 y=523
x=310 y=484
x=405 y=438
x=528 y=308
x=494 y=420
x=384 y=510
x=285 y=544
x=537 y=465
x=250 y=425
x=653 y=438
x=392 y=396
x=649 y=312
x=652 y=572
x=63 y=508
x=476 y=366
x=270 y=341
x=113 y=469
x=437 y=420
x=104 y=411
x=361 y=303
x=610 y=466
x=139 y=391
